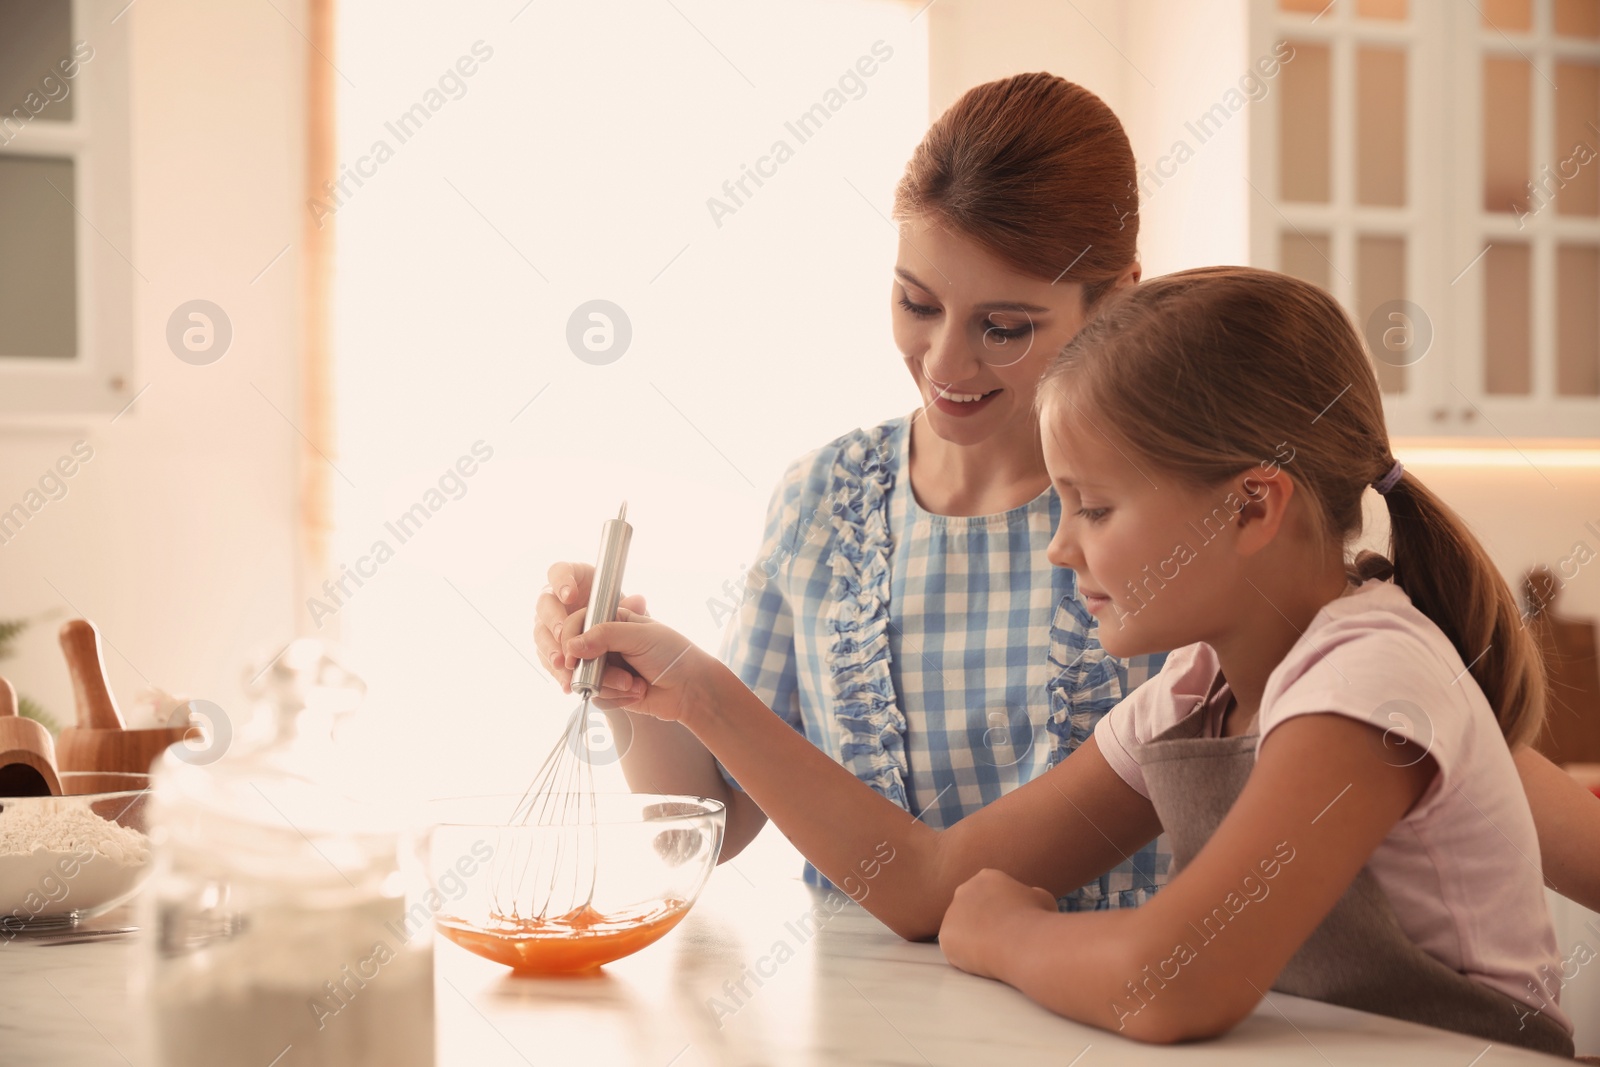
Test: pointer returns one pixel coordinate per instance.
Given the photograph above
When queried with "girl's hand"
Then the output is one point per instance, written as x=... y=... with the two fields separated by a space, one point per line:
x=671 y=677
x=972 y=935
x=560 y=613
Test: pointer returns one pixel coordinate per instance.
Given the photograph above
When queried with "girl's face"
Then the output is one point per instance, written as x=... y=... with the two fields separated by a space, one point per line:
x=976 y=335
x=1157 y=562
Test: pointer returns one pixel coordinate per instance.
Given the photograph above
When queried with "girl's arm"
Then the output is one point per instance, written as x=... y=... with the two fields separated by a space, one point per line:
x=657 y=756
x=1567 y=817
x=1198 y=958
x=1058 y=831
x=664 y=757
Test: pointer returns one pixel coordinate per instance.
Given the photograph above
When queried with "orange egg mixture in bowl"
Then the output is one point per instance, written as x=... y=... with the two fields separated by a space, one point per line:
x=588 y=879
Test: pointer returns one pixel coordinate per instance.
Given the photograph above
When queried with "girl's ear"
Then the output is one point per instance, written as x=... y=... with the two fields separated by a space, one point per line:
x=1129 y=276
x=1262 y=505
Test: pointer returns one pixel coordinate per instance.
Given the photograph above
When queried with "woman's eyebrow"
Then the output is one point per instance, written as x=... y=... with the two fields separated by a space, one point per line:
x=906 y=275
x=993 y=305
x=1012 y=305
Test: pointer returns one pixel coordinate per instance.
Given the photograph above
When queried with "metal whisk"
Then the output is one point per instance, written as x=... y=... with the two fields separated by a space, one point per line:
x=552 y=873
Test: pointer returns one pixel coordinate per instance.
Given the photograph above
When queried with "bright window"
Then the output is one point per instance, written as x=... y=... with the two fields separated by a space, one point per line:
x=720 y=172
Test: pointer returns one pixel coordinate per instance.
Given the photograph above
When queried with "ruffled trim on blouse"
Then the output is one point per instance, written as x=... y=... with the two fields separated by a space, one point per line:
x=1086 y=683
x=872 y=726
x=1086 y=680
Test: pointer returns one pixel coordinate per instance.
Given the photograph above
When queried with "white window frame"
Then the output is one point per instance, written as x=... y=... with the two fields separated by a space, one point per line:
x=100 y=376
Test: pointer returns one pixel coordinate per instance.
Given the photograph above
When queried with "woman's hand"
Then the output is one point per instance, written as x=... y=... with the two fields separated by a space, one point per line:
x=560 y=613
x=973 y=934
x=671 y=676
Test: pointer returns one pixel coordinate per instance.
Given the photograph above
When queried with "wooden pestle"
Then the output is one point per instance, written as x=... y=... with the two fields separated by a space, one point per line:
x=97 y=708
x=101 y=741
x=27 y=752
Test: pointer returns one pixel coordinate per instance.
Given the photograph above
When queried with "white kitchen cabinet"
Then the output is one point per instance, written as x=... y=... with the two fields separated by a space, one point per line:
x=1436 y=166
x=68 y=270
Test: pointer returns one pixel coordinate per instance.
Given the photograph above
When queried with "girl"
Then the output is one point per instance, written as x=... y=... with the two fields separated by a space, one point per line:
x=901 y=613
x=1327 y=748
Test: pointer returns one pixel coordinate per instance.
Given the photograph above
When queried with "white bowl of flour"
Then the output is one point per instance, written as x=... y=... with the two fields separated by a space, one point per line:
x=68 y=858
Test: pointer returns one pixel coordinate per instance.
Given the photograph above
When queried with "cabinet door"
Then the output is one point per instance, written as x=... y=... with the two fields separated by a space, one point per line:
x=67 y=273
x=1528 y=190
x=1342 y=195
x=1436 y=166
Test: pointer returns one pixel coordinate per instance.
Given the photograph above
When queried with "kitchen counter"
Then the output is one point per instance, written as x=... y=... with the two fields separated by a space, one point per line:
x=847 y=992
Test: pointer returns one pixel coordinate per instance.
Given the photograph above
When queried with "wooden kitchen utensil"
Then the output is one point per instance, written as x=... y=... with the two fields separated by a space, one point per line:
x=27 y=752
x=101 y=740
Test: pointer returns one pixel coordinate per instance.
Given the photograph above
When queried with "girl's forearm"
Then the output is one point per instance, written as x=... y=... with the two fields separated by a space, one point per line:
x=1105 y=968
x=1079 y=965
x=664 y=757
x=886 y=860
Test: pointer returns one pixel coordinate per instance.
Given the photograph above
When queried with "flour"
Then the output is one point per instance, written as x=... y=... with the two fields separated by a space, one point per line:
x=26 y=828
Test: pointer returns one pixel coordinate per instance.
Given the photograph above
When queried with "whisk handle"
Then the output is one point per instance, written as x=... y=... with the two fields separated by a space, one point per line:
x=615 y=536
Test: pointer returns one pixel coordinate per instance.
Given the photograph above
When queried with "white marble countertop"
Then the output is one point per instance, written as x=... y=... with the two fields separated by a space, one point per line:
x=849 y=993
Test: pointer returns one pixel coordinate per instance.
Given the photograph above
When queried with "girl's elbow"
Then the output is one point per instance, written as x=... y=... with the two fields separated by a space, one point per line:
x=912 y=927
x=1184 y=1007
x=1200 y=1019
x=1171 y=1030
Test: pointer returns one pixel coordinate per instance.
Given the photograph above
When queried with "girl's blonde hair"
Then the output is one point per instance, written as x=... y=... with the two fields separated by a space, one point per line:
x=1208 y=373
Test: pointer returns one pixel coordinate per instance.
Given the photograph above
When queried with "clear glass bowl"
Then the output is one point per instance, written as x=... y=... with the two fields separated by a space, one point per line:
x=584 y=888
x=73 y=857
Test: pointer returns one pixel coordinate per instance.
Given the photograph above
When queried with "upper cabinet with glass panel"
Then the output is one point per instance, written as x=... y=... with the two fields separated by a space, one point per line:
x=65 y=279
x=38 y=270
x=1436 y=166
x=35 y=38
x=1539 y=69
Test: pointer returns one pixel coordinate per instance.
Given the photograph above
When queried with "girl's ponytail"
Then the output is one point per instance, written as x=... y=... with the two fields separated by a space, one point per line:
x=1450 y=578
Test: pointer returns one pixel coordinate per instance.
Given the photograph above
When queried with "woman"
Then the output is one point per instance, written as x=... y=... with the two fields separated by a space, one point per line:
x=897 y=611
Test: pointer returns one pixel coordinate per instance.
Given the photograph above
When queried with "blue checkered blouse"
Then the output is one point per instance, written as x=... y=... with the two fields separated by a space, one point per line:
x=911 y=646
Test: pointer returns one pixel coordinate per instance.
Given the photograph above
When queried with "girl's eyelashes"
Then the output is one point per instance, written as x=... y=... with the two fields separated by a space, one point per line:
x=1093 y=514
x=921 y=311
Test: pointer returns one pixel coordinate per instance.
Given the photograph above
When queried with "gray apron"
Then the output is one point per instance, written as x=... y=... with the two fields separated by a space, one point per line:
x=1359 y=956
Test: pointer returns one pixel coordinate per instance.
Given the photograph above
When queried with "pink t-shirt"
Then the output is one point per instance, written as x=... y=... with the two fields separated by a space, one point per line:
x=1462 y=868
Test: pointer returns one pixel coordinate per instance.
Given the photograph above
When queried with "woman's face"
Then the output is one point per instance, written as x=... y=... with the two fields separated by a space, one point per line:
x=975 y=334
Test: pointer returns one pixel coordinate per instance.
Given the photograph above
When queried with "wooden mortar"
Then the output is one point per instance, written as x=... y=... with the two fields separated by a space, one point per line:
x=101 y=740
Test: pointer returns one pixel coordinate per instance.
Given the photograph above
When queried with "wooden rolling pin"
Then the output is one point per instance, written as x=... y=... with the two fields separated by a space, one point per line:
x=27 y=752
x=101 y=740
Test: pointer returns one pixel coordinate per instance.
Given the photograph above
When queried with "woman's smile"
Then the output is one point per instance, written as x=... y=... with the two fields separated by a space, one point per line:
x=961 y=402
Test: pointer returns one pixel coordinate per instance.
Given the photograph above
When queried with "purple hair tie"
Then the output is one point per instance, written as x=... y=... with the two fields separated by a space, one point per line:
x=1390 y=480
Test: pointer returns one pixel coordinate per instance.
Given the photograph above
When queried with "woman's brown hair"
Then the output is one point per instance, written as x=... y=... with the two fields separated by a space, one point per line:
x=1208 y=373
x=1036 y=170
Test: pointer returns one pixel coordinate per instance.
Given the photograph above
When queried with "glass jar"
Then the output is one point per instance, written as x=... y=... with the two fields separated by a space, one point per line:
x=276 y=914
